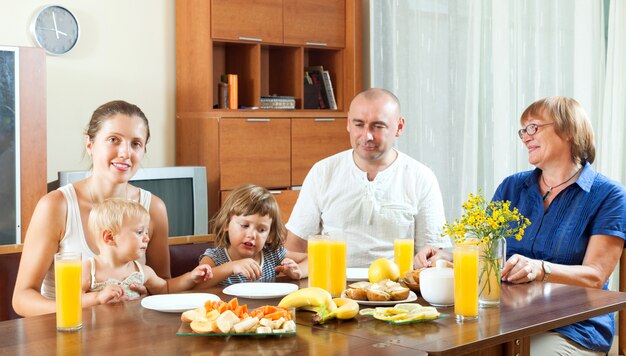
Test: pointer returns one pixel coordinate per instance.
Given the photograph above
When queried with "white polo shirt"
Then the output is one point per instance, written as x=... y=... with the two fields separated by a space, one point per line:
x=337 y=198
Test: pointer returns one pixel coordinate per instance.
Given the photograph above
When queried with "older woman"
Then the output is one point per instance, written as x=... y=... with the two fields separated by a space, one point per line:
x=578 y=218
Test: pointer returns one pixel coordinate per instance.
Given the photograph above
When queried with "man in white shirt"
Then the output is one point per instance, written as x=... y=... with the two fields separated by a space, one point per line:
x=371 y=194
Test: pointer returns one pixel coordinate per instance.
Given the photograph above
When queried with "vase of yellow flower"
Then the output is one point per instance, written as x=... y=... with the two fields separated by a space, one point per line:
x=490 y=262
x=489 y=224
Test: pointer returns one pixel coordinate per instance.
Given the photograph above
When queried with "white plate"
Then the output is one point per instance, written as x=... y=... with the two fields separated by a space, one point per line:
x=357 y=274
x=176 y=303
x=260 y=290
x=412 y=297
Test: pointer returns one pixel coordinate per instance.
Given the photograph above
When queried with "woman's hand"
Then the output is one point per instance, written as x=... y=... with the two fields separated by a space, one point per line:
x=289 y=268
x=520 y=269
x=427 y=256
x=248 y=268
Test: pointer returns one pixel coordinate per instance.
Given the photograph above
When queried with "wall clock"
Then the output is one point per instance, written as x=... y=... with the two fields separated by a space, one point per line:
x=55 y=29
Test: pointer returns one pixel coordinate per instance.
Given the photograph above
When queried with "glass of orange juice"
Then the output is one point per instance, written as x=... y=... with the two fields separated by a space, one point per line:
x=318 y=248
x=337 y=271
x=466 y=282
x=67 y=274
x=403 y=254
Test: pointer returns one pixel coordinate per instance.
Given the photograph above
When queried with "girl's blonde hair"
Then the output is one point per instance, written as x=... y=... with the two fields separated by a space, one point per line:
x=249 y=199
x=109 y=215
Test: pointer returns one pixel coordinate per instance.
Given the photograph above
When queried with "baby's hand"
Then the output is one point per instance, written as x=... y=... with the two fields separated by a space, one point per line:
x=202 y=273
x=139 y=288
x=248 y=268
x=290 y=268
x=111 y=294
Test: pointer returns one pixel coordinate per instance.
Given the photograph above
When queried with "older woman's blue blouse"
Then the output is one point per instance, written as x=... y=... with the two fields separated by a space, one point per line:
x=593 y=205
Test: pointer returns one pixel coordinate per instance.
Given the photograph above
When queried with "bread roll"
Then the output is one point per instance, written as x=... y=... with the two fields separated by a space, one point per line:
x=356 y=293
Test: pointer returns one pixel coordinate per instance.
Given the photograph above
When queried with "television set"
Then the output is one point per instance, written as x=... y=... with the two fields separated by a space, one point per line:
x=183 y=189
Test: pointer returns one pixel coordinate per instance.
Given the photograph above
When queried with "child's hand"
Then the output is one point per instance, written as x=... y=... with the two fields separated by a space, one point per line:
x=111 y=294
x=248 y=268
x=202 y=273
x=290 y=268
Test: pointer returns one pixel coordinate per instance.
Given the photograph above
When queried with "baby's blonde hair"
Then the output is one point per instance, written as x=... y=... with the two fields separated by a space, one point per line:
x=109 y=215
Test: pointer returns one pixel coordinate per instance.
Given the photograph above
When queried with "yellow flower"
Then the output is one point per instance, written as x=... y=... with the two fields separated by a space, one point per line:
x=486 y=221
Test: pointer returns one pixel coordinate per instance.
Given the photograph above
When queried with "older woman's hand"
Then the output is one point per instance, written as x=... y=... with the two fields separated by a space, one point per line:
x=520 y=269
x=427 y=256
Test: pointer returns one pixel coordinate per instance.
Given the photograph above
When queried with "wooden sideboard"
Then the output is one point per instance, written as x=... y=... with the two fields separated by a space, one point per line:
x=268 y=44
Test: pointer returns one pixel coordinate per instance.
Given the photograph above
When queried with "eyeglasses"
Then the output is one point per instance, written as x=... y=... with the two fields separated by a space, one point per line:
x=530 y=130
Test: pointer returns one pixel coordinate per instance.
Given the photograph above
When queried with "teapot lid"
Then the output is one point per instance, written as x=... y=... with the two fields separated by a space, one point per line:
x=441 y=270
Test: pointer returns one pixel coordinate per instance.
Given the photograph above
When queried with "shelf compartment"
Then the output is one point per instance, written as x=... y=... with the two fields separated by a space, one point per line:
x=281 y=68
x=244 y=60
x=332 y=61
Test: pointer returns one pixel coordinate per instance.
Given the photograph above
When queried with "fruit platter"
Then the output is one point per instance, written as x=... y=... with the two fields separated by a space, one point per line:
x=219 y=318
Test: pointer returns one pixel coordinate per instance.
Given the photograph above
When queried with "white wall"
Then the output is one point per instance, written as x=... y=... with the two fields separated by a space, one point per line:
x=126 y=51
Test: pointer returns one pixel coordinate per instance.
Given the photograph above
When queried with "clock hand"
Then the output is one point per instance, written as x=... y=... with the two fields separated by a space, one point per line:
x=56 y=29
x=51 y=29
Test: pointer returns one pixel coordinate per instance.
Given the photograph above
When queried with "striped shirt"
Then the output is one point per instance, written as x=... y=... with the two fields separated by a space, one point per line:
x=269 y=260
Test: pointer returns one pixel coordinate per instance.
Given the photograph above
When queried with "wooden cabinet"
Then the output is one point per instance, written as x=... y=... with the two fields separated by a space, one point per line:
x=313 y=139
x=241 y=37
x=315 y=22
x=23 y=142
x=251 y=20
x=255 y=150
x=286 y=199
x=267 y=44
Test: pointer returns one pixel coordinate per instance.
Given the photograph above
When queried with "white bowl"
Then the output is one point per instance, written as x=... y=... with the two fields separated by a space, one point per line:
x=437 y=285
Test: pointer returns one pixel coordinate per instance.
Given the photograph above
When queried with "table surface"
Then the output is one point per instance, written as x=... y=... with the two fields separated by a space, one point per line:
x=128 y=328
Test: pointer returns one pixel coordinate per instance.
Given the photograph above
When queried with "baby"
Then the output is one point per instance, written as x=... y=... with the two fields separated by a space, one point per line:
x=120 y=228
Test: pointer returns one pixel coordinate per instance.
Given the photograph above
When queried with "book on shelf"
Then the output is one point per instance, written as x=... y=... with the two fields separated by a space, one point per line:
x=227 y=92
x=232 y=91
x=278 y=102
x=330 y=93
x=314 y=92
x=321 y=76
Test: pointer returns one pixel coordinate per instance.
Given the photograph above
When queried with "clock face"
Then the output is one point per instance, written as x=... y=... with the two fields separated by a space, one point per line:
x=55 y=29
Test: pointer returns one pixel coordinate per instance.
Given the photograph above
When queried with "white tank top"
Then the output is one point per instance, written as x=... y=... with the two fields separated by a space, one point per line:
x=74 y=238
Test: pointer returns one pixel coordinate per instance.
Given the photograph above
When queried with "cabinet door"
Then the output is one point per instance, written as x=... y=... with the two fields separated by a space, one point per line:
x=314 y=139
x=321 y=22
x=258 y=20
x=255 y=151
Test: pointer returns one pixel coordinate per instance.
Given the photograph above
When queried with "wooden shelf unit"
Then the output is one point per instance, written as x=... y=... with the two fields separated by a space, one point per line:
x=273 y=148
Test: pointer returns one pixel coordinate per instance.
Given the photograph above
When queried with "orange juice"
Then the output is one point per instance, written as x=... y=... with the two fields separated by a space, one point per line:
x=403 y=255
x=319 y=262
x=67 y=273
x=466 y=282
x=337 y=271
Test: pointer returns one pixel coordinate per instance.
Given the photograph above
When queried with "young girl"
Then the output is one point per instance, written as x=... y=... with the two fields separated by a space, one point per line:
x=250 y=240
x=121 y=227
x=115 y=139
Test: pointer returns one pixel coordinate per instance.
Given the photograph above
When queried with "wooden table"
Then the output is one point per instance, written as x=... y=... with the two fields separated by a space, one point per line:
x=127 y=328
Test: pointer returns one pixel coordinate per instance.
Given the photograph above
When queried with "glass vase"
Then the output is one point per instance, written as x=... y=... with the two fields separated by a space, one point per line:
x=491 y=261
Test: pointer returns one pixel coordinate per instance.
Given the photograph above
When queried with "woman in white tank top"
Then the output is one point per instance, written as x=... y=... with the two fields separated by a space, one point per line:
x=115 y=139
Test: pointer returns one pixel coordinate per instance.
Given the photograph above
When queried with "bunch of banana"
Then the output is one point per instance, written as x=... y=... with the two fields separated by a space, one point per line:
x=320 y=302
x=308 y=297
x=346 y=309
